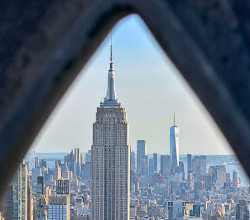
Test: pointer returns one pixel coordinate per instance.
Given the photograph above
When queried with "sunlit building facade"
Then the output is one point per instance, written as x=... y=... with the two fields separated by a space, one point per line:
x=110 y=158
x=174 y=147
x=59 y=207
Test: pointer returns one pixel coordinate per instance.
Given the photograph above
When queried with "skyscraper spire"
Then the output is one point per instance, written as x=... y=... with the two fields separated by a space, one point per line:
x=174 y=118
x=111 y=51
x=174 y=147
x=111 y=100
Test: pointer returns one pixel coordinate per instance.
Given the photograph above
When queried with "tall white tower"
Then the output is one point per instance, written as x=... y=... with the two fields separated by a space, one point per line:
x=110 y=158
x=174 y=147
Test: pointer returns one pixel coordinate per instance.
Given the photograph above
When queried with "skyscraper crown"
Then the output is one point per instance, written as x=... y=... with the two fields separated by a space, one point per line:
x=111 y=99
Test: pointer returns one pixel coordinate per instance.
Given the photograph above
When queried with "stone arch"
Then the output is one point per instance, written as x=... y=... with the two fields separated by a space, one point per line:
x=45 y=44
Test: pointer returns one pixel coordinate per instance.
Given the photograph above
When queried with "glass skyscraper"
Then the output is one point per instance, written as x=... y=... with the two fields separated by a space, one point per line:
x=174 y=147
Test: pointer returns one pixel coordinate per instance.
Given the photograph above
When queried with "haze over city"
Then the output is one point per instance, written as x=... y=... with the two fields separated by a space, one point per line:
x=128 y=141
x=147 y=85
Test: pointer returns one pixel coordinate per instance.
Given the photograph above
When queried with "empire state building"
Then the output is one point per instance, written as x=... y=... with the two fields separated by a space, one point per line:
x=110 y=158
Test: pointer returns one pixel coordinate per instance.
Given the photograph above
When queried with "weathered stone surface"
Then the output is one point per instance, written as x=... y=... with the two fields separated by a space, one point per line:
x=44 y=44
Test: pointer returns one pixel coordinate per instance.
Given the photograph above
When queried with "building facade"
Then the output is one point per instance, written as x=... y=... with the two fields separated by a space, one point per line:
x=242 y=212
x=74 y=161
x=59 y=204
x=132 y=160
x=20 y=193
x=41 y=210
x=165 y=165
x=189 y=163
x=110 y=158
x=155 y=159
x=220 y=175
x=17 y=203
x=151 y=167
x=176 y=210
x=174 y=147
x=59 y=207
x=203 y=165
x=141 y=157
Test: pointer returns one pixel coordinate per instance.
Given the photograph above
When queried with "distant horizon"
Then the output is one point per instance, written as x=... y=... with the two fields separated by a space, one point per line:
x=134 y=151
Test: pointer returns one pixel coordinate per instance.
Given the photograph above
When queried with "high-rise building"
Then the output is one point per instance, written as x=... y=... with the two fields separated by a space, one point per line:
x=86 y=172
x=146 y=164
x=242 y=212
x=20 y=193
x=59 y=207
x=176 y=210
x=220 y=175
x=132 y=160
x=36 y=172
x=198 y=164
x=141 y=153
x=40 y=186
x=59 y=204
x=189 y=170
x=62 y=187
x=41 y=210
x=43 y=163
x=77 y=162
x=189 y=163
x=235 y=179
x=165 y=165
x=134 y=181
x=48 y=193
x=203 y=165
x=191 y=180
x=151 y=167
x=88 y=156
x=155 y=161
x=192 y=210
x=74 y=161
x=58 y=162
x=37 y=163
x=29 y=200
x=213 y=173
x=238 y=182
x=228 y=178
x=174 y=147
x=57 y=172
x=6 y=205
x=181 y=169
x=65 y=171
x=110 y=158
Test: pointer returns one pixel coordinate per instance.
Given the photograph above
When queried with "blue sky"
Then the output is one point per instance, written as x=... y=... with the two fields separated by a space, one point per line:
x=148 y=86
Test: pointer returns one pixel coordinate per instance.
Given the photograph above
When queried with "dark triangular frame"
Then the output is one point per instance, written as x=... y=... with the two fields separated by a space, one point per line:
x=45 y=44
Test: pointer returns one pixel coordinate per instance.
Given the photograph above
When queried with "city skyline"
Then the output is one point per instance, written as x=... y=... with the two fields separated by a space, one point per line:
x=179 y=166
x=203 y=190
x=74 y=115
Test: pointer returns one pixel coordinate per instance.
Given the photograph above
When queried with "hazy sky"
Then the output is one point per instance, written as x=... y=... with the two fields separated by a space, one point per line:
x=148 y=86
